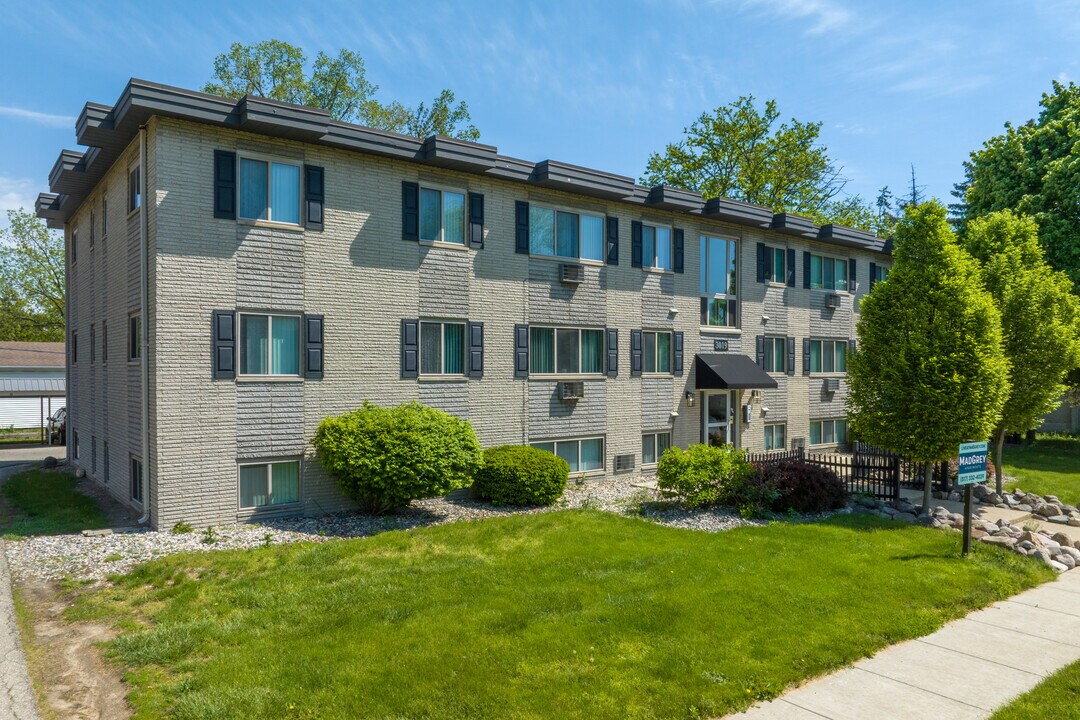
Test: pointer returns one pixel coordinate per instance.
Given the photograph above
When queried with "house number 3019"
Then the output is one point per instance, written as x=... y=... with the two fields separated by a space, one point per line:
x=720 y=345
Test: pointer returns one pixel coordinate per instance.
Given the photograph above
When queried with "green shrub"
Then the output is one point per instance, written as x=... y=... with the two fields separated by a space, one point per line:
x=702 y=475
x=794 y=485
x=181 y=528
x=385 y=457
x=521 y=475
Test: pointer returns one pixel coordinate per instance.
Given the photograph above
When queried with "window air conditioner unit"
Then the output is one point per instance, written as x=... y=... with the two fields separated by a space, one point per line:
x=832 y=385
x=571 y=274
x=832 y=300
x=571 y=390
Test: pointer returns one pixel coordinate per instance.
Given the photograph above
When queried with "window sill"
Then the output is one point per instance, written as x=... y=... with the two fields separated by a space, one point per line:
x=442 y=379
x=558 y=259
x=441 y=244
x=831 y=292
x=133 y=213
x=657 y=271
x=773 y=283
x=720 y=329
x=657 y=375
x=826 y=375
x=269 y=224
x=252 y=512
x=556 y=377
x=269 y=378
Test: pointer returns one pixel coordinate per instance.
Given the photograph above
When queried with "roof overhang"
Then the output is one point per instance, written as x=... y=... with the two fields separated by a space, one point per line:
x=33 y=387
x=729 y=371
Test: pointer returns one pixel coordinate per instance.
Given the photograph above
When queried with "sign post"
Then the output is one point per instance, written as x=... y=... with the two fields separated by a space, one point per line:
x=972 y=469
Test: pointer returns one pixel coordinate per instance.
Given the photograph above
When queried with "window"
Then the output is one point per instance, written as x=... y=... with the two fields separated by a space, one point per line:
x=269 y=344
x=779 y=265
x=566 y=350
x=775 y=354
x=134 y=190
x=104 y=341
x=134 y=337
x=75 y=438
x=656 y=352
x=653 y=446
x=74 y=348
x=104 y=216
x=556 y=233
x=105 y=459
x=269 y=191
x=718 y=264
x=93 y=453
x=828 y=273
x=270 y=483
x=656 y=247
x=828 y=432
x=774 y=437
x=881 y=274
x=828 y=356
x=74 y=245
x=93 y=228
x=442 y=216
x=136 y=478
x=581 y=455
x=442 y=348
x=93 y=343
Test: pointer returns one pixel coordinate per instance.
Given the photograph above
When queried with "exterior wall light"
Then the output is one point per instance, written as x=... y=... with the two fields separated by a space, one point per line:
x=689 y=397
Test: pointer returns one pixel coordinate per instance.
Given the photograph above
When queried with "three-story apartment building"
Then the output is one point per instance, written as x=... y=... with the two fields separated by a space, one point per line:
x=237 y=270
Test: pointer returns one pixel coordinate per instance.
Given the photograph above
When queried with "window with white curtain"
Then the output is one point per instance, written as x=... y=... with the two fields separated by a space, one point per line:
x=442 y=216
x=269 y=344
x=269 y=190
x=269 y=483
x=653 y=446
x=656 y=247
x=582 y=455
x=442 y=348
x=566 y=351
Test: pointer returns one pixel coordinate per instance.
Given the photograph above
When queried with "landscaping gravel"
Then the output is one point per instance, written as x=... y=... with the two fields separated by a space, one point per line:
x=97 y=556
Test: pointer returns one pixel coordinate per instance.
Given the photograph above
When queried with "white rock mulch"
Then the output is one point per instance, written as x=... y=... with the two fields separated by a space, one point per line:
x=91 y=558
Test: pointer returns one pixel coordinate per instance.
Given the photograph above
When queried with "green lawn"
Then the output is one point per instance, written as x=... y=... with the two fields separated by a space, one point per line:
x=41 y=502
x=1056 y=698
x=1046 y=469
x=569 y=614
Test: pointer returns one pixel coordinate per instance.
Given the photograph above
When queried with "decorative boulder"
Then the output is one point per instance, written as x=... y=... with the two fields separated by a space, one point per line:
x=49 y=462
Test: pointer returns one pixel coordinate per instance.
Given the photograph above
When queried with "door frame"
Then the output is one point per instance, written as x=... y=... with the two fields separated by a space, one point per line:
x=733 y=425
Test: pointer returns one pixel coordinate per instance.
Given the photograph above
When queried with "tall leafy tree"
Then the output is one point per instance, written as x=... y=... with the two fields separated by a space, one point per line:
x=1034 y=169
x=744 y=152
x=277 y=70
x=1040 y=319
x=31 y=280
x=929 y=371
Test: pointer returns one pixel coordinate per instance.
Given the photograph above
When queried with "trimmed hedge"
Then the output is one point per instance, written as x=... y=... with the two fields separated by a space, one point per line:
x=521 y=475
x=702 y=475
x=385 y=457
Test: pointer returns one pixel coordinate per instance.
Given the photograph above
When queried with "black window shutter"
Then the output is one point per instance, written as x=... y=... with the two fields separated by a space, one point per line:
x=761 y=253
x=476 y=220
x=410 y=211
x=852 y=267
x=521 y=228
x=611 y=336
x=612 y=240
x=313 y=347
x=521 y=350
x=313 y=196
x=224 y=342
x=873 y=274
x=225 y=184
x=635 y=243
x=677 y=359
x=733 y=308
x=791 y=267
x=806 y=356
x=635 y=352
x=791 y=356
x=677 y=262
x=476 y=349
x=806 y=270
x=761 y=350
x=410 y=348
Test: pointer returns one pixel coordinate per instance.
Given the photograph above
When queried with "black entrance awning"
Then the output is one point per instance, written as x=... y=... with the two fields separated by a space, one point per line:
x=729 y=371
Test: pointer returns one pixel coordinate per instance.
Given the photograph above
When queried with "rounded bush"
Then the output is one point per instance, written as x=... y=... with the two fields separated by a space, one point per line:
x=521 y=475
x=384 y=457
x=702 y=475
x=799 y=486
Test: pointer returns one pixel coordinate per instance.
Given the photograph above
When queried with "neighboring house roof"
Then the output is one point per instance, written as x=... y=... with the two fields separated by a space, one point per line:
x=32 y=387
x=107 y=131
x=31 y=355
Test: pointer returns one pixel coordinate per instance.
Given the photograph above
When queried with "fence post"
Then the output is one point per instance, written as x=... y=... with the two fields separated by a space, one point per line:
x=896 y=478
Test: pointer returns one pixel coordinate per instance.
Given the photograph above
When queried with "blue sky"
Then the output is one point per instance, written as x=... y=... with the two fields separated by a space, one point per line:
x=595 y=84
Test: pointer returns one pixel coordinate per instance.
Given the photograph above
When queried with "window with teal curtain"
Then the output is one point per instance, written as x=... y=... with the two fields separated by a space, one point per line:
x=816 y=281
x=815 y=356
x=254 y=344
x=841 y=274
x=541 y=231
x=840 y=349
x=592 y=455
x=566 y=235
x=815 y=432
x=648 y=449
x=253 y=489
x=592 y=237
x=253 y=189
x=285 y=193
x=648 y=246
x=284 y=483
x=567 y=351
x=453 y=218
x=285 y=346
x=779 y=274
x=592 y=351
x=663 y=352
x=541 y=350
x=430 y=214
x=568 y=451
x=663 y=248
x=453 y=349
x=545 y=446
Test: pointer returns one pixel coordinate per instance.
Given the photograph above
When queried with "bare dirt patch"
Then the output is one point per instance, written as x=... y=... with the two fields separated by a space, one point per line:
x=71 y=678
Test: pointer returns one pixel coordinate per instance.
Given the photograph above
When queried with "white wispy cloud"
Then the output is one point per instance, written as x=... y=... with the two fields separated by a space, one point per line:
x=38 y=118
x=820 y=16
x=16 y=193
x=853 y=129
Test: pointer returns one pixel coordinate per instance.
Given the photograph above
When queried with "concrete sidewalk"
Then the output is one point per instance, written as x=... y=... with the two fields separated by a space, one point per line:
x=964 y=671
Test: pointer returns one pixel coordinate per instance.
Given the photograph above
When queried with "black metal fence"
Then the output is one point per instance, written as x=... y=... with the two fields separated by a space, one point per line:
x=864 y=473
x=912 y=473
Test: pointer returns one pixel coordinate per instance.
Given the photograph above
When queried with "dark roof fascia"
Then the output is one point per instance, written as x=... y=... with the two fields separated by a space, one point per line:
x=791 y=224
x=671 y=198
x=738 y=212
x=457 y=154
x=583 y=181
x=860 y=239
x=282 y=120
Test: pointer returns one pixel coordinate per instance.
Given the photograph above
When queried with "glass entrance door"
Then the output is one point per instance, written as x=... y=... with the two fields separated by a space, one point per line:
x=719 y=418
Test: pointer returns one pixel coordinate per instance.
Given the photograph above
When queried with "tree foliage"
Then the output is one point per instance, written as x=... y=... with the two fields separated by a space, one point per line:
x=929 y=371
x=277 y=70
x=31 y=280
x=1040 y=318
x=1034 y=169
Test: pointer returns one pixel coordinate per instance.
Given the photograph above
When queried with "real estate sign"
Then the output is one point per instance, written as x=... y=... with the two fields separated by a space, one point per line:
x=972 y=463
